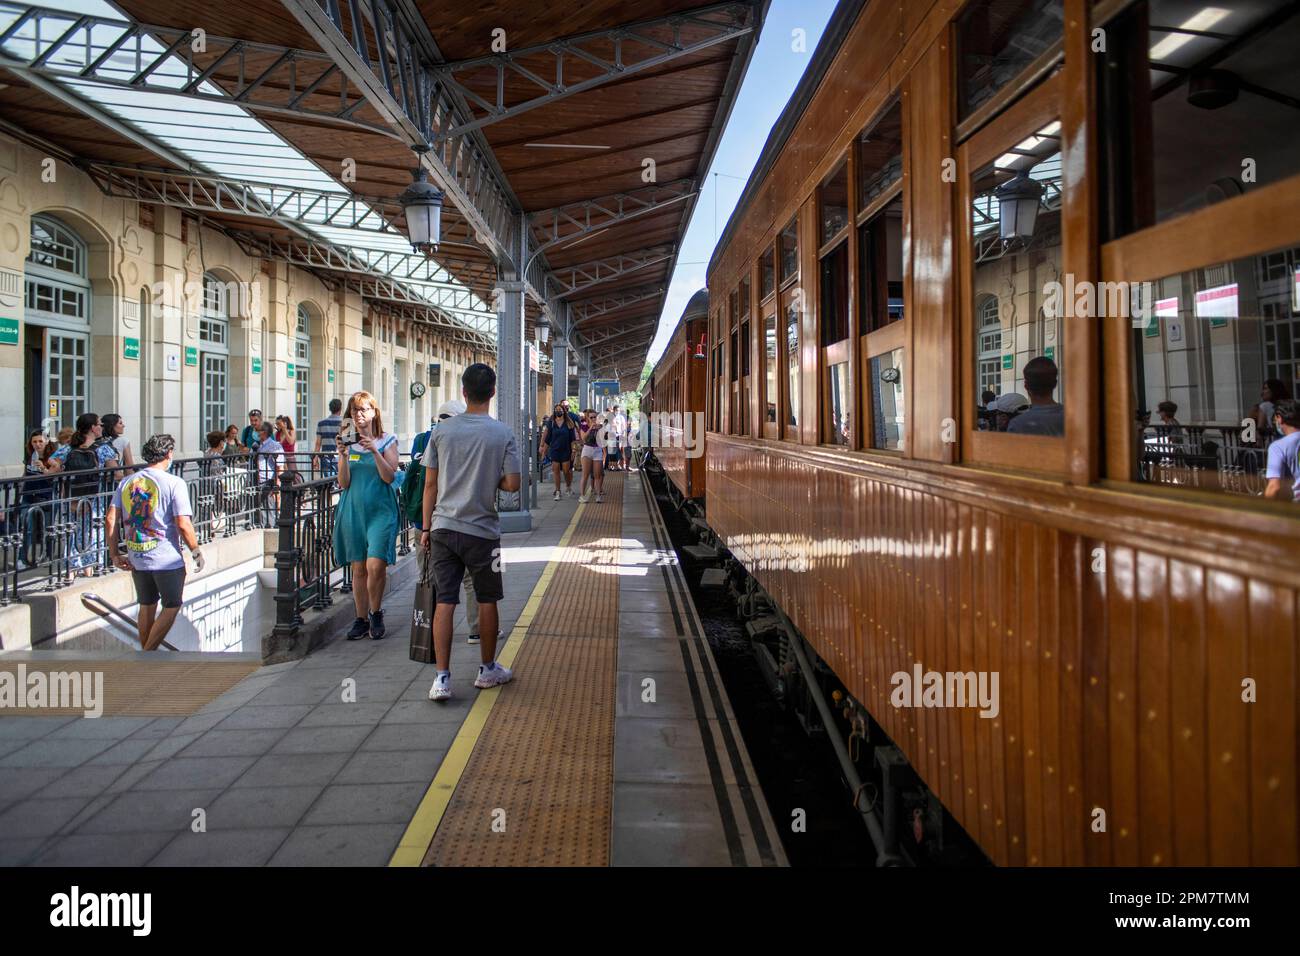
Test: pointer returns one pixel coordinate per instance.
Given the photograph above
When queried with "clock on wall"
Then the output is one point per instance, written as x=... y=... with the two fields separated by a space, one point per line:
x=890 y=374
x=417 y=389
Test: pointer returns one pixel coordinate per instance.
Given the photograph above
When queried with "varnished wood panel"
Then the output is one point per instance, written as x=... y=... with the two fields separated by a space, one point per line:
x=1120 y=661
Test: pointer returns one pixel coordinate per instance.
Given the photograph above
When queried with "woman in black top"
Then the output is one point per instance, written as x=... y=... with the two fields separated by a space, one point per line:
x=560 y=446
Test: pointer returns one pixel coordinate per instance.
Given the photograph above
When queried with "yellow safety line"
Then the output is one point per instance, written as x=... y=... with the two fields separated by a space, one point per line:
x=428 y=815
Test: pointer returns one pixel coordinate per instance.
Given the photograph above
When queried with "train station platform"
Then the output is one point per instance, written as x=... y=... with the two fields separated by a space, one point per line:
x=614 y=745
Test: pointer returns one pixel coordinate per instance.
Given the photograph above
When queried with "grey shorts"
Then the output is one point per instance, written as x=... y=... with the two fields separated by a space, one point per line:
x=454 y=553
x=152 y=585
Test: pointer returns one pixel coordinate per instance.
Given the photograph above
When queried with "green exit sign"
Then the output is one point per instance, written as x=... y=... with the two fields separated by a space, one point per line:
x=291 y=370
x=331 y=375
x=131 y=348
x=191 y=355
x=257 y=366
x=1008 y=361
x=8 y=331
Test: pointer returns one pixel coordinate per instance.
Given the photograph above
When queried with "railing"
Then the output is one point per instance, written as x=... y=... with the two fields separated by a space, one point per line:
x=307 y=572
x=1203 y=456
x=52 y=525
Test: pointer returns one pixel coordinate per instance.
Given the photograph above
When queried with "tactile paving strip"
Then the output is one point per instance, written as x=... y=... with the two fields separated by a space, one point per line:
x=538 y=788
x=138 y=688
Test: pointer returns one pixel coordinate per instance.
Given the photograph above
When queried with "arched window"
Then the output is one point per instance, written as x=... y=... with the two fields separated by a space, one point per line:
x=302 y=368
x=56 y=292
x=214 y=361
x=989 y=342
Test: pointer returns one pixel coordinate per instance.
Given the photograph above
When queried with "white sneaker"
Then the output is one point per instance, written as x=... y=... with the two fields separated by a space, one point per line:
x=600 y=499
x=441 y=689
x=497 y=675
x=582 y=499
x=556 y=496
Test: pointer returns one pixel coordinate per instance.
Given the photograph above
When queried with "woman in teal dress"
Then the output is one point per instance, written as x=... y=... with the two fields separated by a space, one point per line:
x=365 y=523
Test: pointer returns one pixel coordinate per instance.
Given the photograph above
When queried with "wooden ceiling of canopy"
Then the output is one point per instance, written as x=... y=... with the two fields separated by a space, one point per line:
x=667 y=113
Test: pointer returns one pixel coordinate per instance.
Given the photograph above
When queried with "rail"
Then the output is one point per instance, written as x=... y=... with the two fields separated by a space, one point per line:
x=307 y=573
x=52 y=524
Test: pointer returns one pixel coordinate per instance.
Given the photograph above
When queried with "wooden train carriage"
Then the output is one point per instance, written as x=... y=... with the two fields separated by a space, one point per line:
x=678 y=399
x=1061 y=204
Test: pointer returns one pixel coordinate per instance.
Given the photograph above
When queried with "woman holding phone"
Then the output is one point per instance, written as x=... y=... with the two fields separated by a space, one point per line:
x=365 y=523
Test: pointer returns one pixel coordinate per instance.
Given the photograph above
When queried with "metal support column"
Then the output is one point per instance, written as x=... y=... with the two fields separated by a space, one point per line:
x=584 y=378
x=512 y=377
x=559 y=372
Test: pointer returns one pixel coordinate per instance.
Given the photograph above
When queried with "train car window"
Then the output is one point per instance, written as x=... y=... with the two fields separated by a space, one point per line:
x=744 y=378
x=789 y=246
x=790 y=309
x=1000 y=43
x=886 y=377
x=835 y=295
x=771 y=386
x=767 y=273
x=840 y=404
x=834 y=204
x=1015 y=256
x=1200 y=104
x=880 y=268
x=833 y=316
x=1214 y=361
x=880 y=156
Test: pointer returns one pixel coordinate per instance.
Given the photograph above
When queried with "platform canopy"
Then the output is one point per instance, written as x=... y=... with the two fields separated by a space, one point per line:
x=569 y=140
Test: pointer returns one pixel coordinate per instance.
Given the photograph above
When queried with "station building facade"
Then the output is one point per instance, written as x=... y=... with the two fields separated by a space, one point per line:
x=113 y=305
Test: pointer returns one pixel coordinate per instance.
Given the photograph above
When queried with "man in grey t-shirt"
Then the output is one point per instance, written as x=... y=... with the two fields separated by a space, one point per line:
x=468 y=458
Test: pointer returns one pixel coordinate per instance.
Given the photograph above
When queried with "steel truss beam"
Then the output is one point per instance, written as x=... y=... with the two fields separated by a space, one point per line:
x=433 y=318
x=384 y=289
x=203 y=192
x=597 y=337
x=572 y=280
x=614 y=301
x=109 y=51
x=380 y=51
x=563 y=224
x=635 y=47
x=612 y=352
x=318 y=254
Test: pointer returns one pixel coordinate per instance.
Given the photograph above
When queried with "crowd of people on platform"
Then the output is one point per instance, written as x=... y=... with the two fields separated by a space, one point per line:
x=593 y=442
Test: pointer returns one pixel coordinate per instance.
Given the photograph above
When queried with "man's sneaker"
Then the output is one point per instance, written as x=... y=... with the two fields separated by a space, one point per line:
x=441 y=689
x=582 y=499
x=491 y=678
x=377 y=628
x=556 y=496
x=360 y=629
x=600 y=499
x=472 y=639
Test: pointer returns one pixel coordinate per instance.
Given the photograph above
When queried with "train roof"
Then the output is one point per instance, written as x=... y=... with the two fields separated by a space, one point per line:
x=837 y=28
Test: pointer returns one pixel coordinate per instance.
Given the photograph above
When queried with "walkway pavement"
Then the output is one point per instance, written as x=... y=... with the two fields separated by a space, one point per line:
x=278 y=770
x=616 y=745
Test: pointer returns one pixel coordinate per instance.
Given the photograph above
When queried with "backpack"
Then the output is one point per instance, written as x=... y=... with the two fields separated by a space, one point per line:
x=83 y=459
x=412 y=490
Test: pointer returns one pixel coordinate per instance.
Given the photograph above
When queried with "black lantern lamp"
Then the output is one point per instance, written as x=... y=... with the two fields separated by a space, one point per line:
x=543 y=330
x=1018 y=200
x=422 y=207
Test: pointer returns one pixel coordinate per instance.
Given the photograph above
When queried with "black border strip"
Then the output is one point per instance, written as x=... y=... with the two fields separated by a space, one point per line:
x=676 y=588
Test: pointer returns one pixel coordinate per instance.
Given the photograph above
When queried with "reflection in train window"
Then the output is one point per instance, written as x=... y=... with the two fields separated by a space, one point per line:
x=880 y=155
x=1215 y=352
x=789 y=244
x=841 y=404
x=1200 y=104
x=769 y=363
x=880 y=267
x=834 y=204
x=767 y=273
x=792 y=365
x=998 y=40
x=1016 y=257
x=886 y=378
